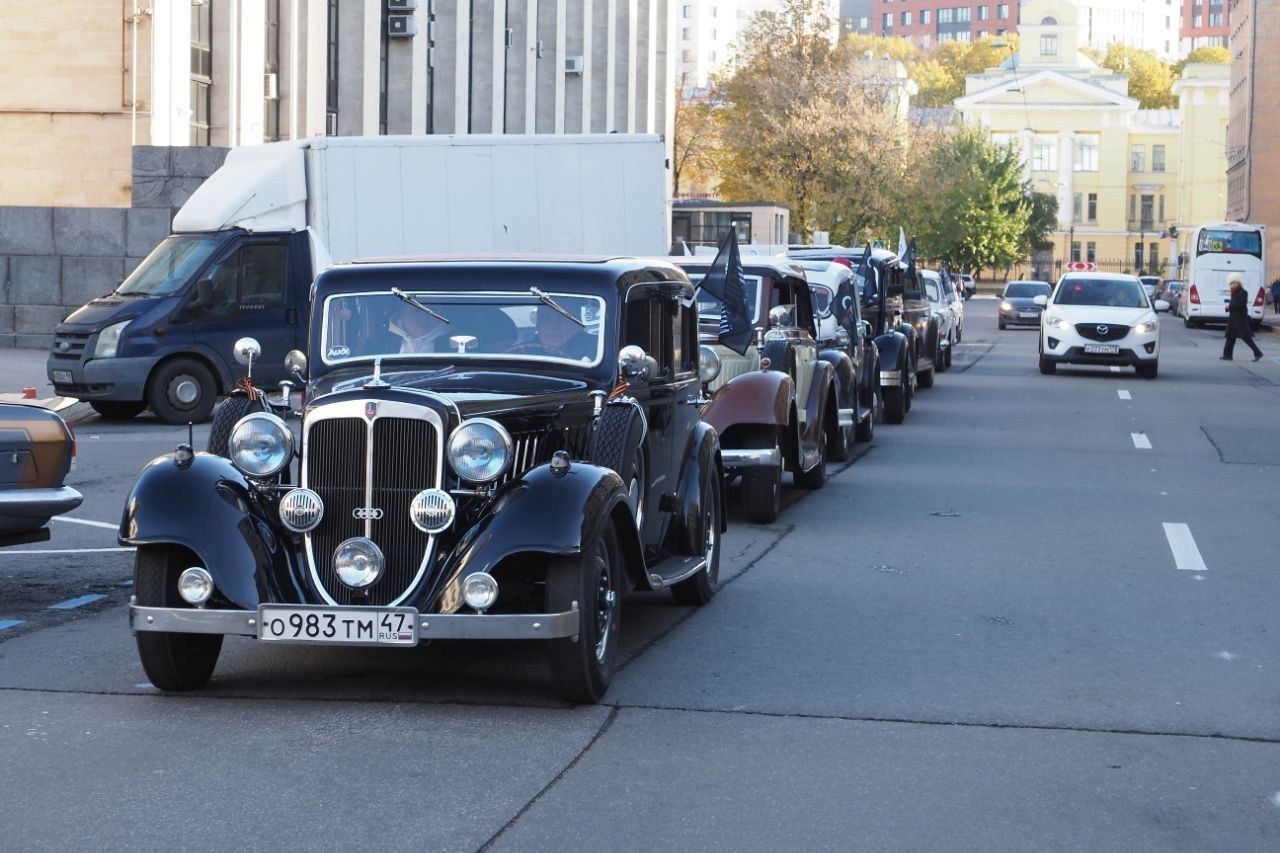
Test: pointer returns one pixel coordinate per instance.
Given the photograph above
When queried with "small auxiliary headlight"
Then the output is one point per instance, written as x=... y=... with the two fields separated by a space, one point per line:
x=358 y=562
x=432 y=510
x=480 y=591
x=301 y=510
x=195 y=585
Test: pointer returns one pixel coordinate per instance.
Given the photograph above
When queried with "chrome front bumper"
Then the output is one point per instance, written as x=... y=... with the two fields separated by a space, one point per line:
x=437 y=626
x=751 y=458
x=891 y=377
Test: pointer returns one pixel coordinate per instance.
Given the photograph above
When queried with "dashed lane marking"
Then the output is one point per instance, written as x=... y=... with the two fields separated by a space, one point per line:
x=73 y=603
x=1124 y=395
x=9 y=623
x=85 y=521
x=1183 y=545
x=1140 y=441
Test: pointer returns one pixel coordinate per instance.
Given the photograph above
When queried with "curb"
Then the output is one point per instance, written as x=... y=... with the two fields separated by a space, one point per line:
x=53 y=404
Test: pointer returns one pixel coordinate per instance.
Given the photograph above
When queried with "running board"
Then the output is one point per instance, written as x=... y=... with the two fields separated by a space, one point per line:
x=684 y=568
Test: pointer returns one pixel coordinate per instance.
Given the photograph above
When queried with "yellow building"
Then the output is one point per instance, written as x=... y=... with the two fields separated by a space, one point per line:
x=1126 y=179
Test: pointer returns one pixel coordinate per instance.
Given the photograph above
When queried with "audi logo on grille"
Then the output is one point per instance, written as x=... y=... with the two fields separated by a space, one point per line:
x=367 y=513
x=1102 y=330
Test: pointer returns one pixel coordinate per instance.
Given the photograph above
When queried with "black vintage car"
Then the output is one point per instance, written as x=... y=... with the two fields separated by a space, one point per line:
x=492 y=449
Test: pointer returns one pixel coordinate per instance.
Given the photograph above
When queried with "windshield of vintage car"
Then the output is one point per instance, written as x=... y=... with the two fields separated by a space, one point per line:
x=709 y=307
x=169 y=266
x=510 y=325
x=1116 y=293
x=1026 y=290
x=932 y=288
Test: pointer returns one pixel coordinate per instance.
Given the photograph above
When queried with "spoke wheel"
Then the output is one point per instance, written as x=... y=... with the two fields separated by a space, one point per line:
x=701 y=588
x=583 y=666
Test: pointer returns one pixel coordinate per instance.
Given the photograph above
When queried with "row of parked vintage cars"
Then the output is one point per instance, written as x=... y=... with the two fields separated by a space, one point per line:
x=503 y=449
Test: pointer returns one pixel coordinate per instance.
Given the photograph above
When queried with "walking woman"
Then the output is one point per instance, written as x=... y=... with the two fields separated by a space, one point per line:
x=1238 y=319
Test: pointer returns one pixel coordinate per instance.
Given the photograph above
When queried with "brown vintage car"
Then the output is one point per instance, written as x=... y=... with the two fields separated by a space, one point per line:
x=36 y=449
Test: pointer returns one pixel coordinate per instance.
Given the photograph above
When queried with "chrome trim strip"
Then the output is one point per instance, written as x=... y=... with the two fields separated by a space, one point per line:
x=451 y=626
x=355 y=409
x=891 y=377
x=58 y=499
x=752 y=457
x=845 y=417
x=659 y=582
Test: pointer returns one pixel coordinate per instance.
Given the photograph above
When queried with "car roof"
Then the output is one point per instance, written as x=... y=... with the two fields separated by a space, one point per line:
x=1099 y=276
x=1027 y=281
x=777 y=266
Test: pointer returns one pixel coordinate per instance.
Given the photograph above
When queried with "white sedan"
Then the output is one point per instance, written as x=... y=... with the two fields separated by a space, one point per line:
x=1102 y=319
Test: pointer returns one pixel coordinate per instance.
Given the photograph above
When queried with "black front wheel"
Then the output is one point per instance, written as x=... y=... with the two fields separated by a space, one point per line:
x=701 y=588
x=895 y=404
x=583 y=666
x=171 y=661
x=866 y=428
x=762 y=493
x=117 y=410
x=182 y=391
x=815 y=477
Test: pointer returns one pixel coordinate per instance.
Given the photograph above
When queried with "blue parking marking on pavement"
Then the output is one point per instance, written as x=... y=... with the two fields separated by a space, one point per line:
x=9 y=623
x=73 y=603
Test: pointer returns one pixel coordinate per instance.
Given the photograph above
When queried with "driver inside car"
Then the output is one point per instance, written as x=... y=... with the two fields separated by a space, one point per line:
x=559 y=336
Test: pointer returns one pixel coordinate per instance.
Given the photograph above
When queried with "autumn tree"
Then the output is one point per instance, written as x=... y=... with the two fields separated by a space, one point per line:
x=1211 y=53
x=1150 y=78
x=941 y=74
x=693 y=145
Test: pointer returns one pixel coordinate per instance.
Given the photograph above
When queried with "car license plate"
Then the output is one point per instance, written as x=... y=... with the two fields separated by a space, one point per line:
x=1102 y=349
x=345 y=626
x=1028 y=315
x=62 y=376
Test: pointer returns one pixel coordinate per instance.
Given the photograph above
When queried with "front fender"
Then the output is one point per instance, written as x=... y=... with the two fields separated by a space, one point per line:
x=893 y=348
x=544 y=514
x=207 y=508
x=819 y=393
x=702 y=464
x=759 y=397
x=842 y=374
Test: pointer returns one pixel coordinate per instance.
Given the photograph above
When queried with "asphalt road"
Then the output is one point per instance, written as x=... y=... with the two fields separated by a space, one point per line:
x=988 y=632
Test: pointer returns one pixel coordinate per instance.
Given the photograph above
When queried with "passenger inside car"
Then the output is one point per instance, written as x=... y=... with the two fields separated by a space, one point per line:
x=557 y=335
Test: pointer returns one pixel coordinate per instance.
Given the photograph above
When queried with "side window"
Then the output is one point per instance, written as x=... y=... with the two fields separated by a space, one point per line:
x=931 y=288
x=684 y=338
x=804 y=311
x=913 y=290
x=250 y=280
x=649 y=325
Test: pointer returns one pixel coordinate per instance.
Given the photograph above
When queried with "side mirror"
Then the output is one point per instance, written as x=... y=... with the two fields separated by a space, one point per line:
x=1161 y=305
x=204 y=294
x=634 y=363
x=247 y=351
x=296 y=363
x=1040 y=300
x=708 y=364
x=865 y=327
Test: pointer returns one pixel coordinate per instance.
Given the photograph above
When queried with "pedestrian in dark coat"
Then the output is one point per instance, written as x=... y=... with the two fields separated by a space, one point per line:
x=1275 y=295
x=1238 y=319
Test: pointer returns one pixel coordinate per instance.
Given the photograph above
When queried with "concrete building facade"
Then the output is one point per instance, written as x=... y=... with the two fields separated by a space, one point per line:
x=1126 y=179
x=238 y=72
x=1253 y=131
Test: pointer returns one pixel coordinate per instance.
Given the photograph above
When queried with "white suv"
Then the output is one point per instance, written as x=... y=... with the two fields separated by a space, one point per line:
x=1099 y=318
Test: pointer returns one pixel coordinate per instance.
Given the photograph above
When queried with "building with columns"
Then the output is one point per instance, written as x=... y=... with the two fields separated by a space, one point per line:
x=1123 y=176
x=240 y=72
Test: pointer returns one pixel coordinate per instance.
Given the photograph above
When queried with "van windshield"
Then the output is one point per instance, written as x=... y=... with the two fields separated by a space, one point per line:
x=169 y=267
x=1227 y=242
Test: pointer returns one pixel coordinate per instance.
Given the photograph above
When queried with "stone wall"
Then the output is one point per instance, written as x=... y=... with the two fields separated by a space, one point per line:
x=54 y=259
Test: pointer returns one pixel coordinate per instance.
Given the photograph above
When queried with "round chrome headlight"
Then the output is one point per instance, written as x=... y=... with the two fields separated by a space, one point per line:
x=301 y=510
x=708 y=364
x=431 y=510
x=480 y=591
x=480 y=450
x=261 y=445
x=195 y=586
x=358 y=562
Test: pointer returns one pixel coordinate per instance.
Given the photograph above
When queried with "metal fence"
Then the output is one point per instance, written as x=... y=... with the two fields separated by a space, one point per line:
x=1050 y=269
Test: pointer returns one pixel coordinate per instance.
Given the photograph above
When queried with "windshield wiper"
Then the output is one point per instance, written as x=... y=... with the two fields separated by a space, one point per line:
x=551 y=303
x=404 y=297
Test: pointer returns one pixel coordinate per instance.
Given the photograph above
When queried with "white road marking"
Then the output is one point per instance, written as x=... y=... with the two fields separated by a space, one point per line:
x=1140 y=441
x=6 y=552
x=1183 y=545
x=86 y=521
x=1124 y=395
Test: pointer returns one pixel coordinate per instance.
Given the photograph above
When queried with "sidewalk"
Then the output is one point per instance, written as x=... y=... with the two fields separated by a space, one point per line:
x=25 y=368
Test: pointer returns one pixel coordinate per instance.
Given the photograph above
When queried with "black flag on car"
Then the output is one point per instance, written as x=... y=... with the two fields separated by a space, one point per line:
x=726 y=282
x=865 y=272
x=910 y=260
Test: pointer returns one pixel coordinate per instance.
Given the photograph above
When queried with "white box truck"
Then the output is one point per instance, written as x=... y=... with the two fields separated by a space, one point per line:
x=247 y=244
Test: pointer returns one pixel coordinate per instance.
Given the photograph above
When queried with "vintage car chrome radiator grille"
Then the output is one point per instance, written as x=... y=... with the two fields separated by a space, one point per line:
x=366 y=491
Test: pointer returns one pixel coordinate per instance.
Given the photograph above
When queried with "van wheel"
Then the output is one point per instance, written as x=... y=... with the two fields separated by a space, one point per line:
x=181 y=391
x=1188 y=322
x=172 y=661
x=117 y=410
x=583 y=666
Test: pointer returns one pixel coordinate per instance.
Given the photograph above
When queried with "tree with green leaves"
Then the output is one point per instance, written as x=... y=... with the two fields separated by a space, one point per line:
x=1150 y=78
